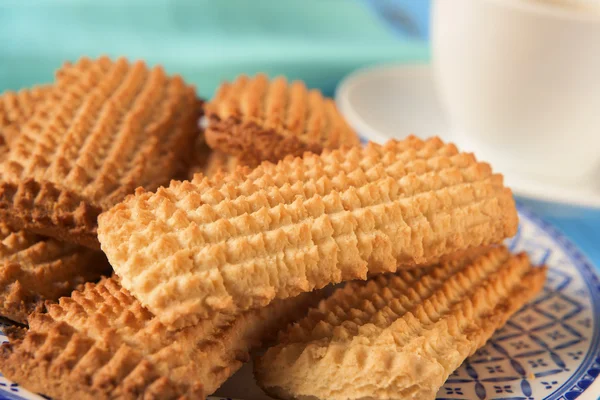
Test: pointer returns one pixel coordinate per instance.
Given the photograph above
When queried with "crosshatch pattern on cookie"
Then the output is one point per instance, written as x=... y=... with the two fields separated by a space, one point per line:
x=115 y=126
x=399 y=335
x=34 y=269
x=15 y=109
x=239 y=241
x=101 y=342
x=211 y=162
x=258 y=119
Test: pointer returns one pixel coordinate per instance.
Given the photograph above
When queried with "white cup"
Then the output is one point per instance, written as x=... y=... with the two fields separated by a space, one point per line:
x=520 y=81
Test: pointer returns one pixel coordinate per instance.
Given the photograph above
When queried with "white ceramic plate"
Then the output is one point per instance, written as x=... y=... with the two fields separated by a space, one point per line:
x=549 y=350
x=393 y=101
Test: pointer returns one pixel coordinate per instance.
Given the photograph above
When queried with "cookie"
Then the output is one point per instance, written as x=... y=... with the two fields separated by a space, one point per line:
x=211 y=162
x=114 y=126
x=238 y=241
x=100 y=343
x=34 y=269
x=16 y=108
x=257 y=119
x=399 y=336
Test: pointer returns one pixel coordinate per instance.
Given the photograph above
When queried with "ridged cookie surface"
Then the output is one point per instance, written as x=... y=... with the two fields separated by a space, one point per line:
x=15 y=109
x=114 y=126
x=259 y=119
x=18 y=107
x=399 y=336
x=100 y=343
x=241 y=240
x=34 y=269
x=210 y=162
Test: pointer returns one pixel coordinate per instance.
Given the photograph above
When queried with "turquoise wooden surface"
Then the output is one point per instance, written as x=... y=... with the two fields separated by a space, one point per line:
x=207 y=41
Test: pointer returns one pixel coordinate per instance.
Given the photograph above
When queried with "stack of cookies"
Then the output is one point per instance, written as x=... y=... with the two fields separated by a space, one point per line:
x=152 y=242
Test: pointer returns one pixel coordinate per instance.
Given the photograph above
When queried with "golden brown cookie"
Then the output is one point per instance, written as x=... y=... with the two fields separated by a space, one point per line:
x=398 y=336
x=114 y=126
x=210 y=162
x=238 y=241
x=258 y=119
x=15 y=109
x=18 y=107
x=100 y=343
x=34 y=269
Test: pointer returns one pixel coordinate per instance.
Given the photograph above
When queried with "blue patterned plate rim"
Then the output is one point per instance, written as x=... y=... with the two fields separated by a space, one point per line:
x=586 y=269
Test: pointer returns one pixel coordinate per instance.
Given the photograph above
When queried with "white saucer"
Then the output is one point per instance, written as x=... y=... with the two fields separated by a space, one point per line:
x=394 y=101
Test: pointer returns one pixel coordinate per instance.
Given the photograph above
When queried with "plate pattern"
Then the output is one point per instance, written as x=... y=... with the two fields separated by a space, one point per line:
x=549 y=350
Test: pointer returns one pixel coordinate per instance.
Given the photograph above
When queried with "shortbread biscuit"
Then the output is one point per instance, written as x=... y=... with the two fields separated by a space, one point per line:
x=34 y=269
x=16 y=108
x=218 y=162
x=114 y=126
x=241 y=240
x=100 y=343
x=211 y=162
x=259 y=119
x=398 y=336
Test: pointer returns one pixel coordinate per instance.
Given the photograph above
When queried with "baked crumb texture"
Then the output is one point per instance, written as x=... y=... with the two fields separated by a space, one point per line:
x=109 y=127
x=15 y=109
x=399 y=336
x=34 y=269
x=100 y=343
x=257 y=119
x=238 y=241
x=211 y=162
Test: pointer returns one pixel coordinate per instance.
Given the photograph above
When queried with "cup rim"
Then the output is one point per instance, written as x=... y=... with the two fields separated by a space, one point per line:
x=555 y=11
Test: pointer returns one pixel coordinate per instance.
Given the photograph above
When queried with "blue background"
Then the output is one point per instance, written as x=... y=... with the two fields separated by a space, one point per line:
x=319 y=41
